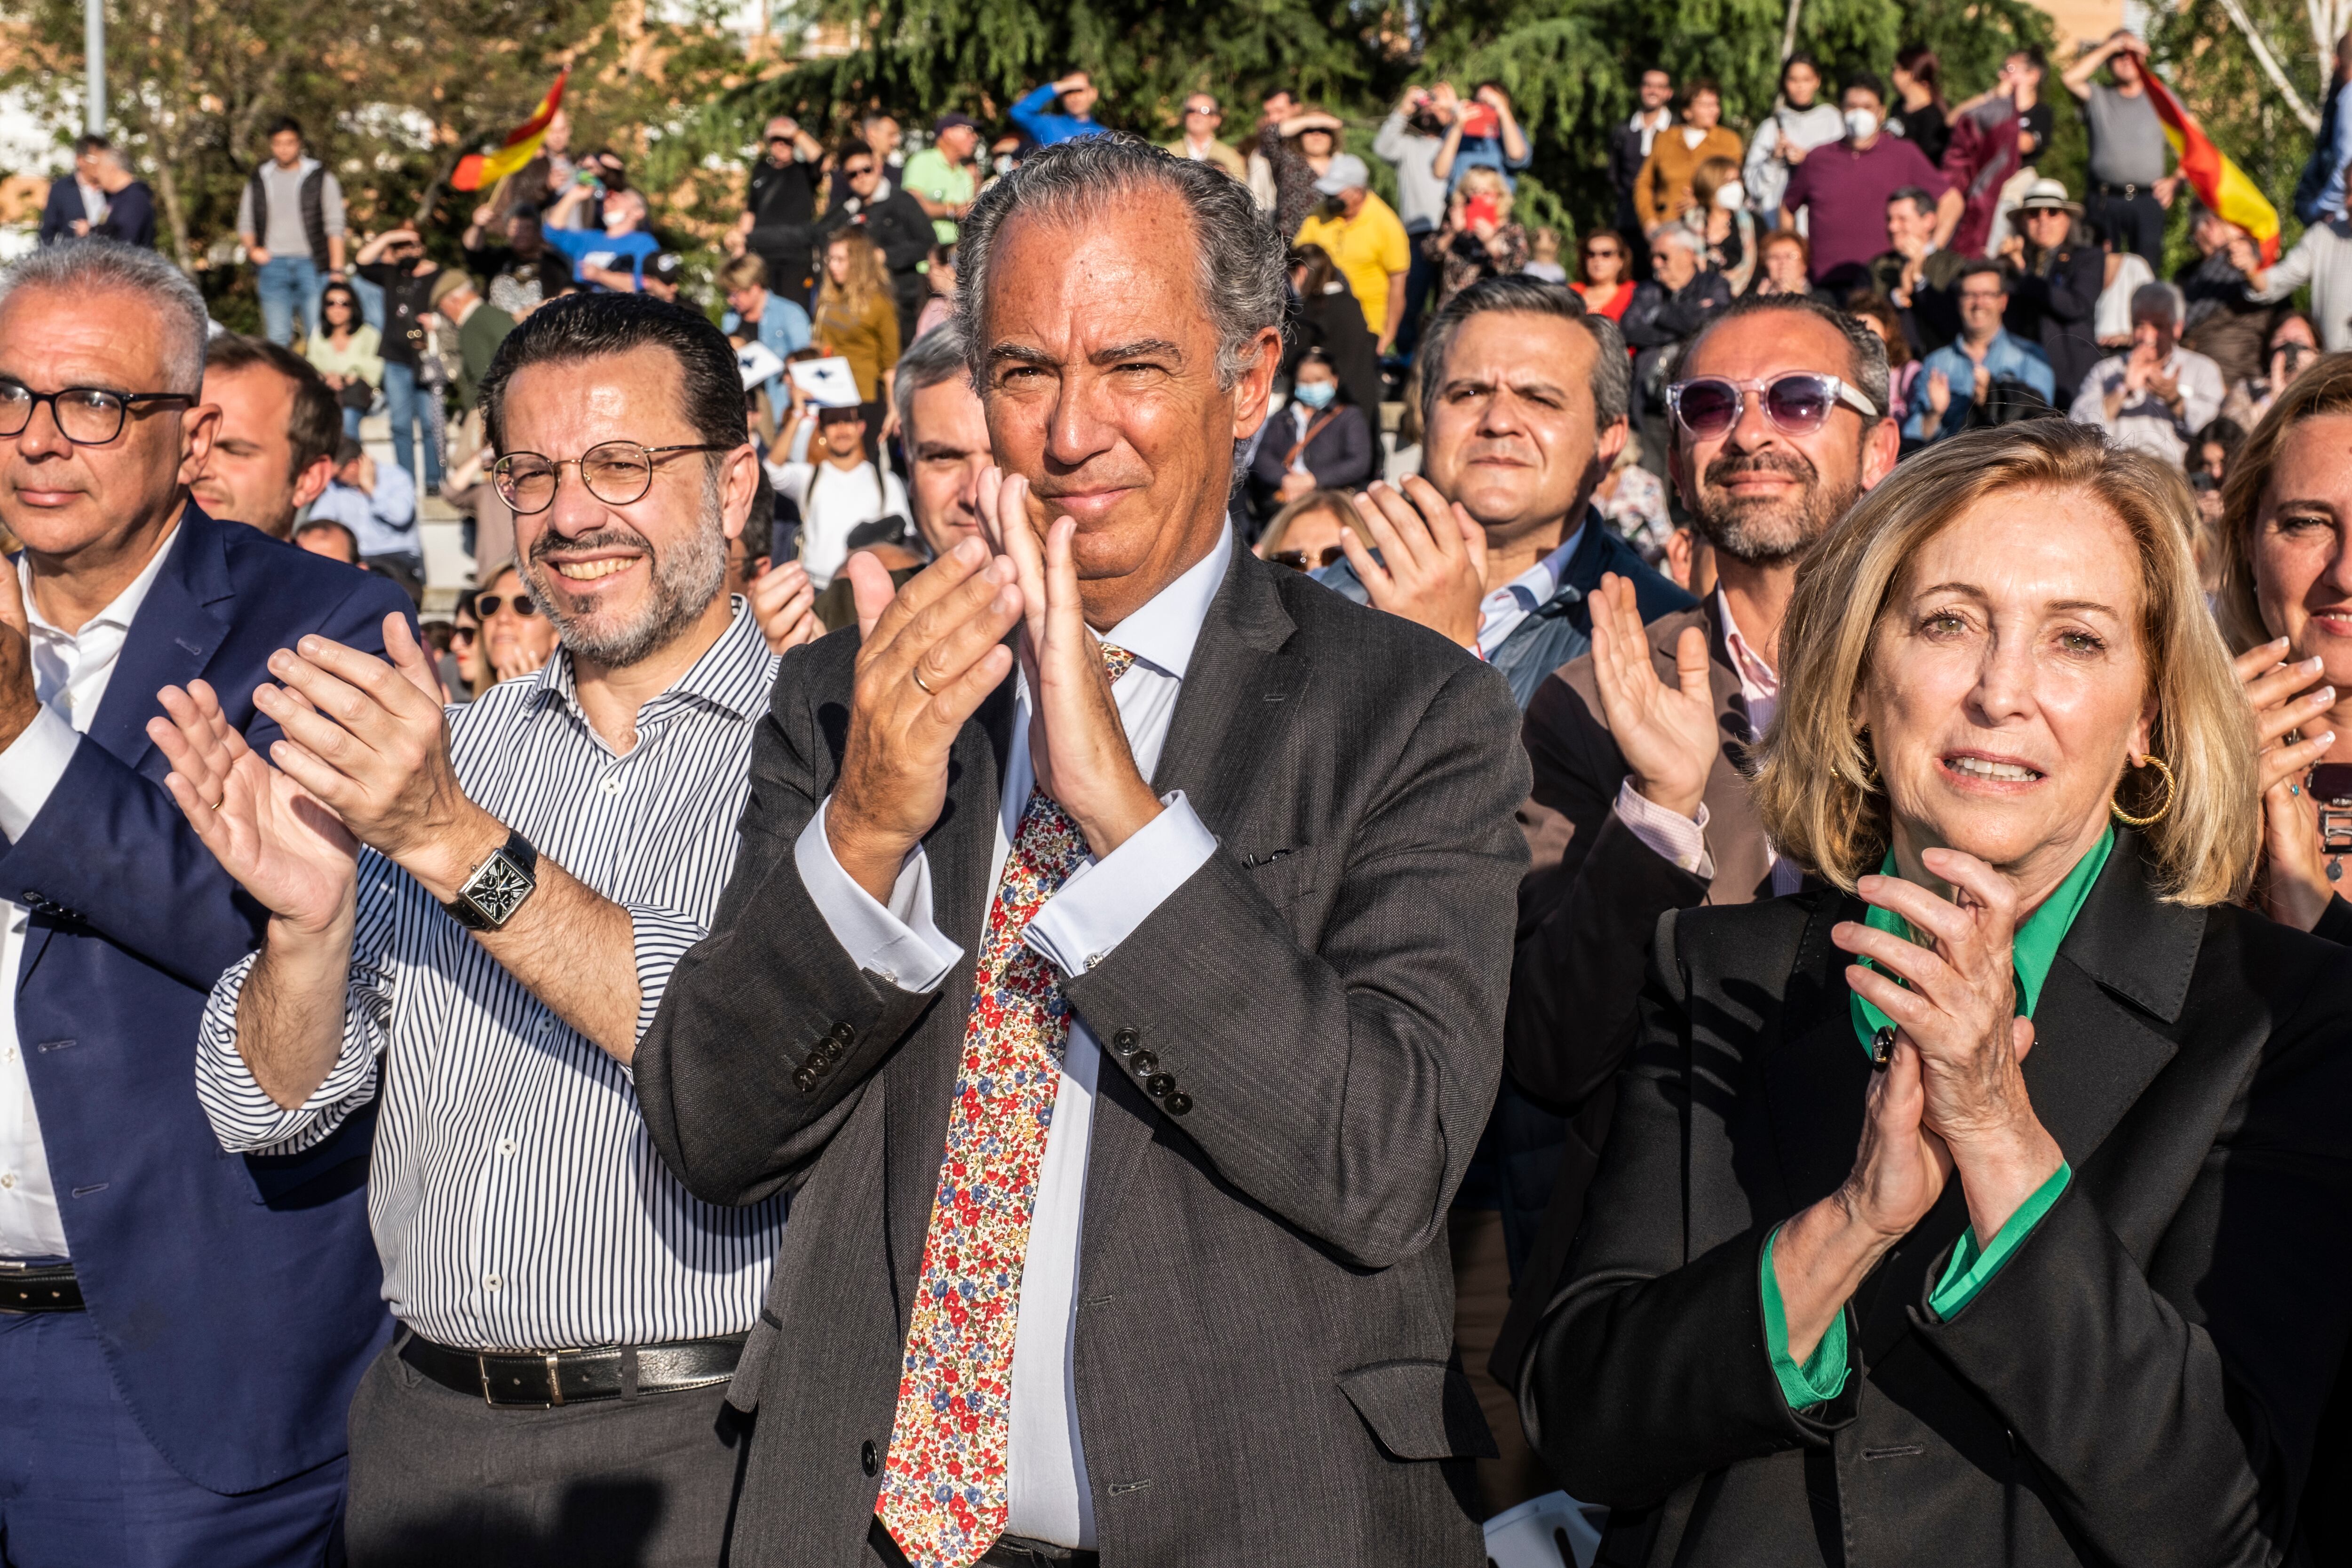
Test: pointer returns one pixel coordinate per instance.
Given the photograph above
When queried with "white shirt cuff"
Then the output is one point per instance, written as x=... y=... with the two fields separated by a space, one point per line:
x=1669 y=833
x=1098 y=907
x=31 y=767
x=899 y=942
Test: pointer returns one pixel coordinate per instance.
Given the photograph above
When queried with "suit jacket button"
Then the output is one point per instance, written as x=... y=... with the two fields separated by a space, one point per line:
x=820 y=1064
x=867 y=1459
x=1126 y=1040
x=845 y=1034
x=1160 y=1084
x=805 y=1080
x=1145 y=1065
x=1178 y=1103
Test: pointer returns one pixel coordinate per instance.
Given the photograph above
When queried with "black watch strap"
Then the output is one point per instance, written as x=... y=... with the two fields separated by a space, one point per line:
x=496 y=888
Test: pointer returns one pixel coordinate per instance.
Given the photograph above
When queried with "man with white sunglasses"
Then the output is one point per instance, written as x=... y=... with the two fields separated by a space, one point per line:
x=1780 y=424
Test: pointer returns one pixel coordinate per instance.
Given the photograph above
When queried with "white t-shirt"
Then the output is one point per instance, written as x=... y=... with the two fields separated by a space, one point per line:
x=833 y=501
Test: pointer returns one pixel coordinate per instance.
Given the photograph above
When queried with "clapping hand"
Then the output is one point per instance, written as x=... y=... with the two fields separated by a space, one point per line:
x=929 y=655
x=1077 y=743
x=2295 y=888
x=784 y=604
x=1952 y=996
x=269 y=833
x=1432 y=564
x=1939 y=393
x=1668 y=734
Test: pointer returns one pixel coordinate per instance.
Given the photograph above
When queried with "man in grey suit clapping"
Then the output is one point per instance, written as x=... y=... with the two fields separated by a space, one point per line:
x=1122 y=1022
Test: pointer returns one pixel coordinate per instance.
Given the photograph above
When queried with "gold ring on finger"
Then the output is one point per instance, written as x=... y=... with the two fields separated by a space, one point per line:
x=918 y=673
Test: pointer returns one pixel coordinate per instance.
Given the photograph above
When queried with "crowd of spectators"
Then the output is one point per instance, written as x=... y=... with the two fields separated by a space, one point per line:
x=1840 y=558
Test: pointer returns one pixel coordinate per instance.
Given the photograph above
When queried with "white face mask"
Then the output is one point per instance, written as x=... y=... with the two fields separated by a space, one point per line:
x=1731 y=197
x=1002 y=163
x=1861 y=124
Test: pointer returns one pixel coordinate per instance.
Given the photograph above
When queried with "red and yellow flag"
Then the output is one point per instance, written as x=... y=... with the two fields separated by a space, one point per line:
x=2219 y=183
x=476 y=170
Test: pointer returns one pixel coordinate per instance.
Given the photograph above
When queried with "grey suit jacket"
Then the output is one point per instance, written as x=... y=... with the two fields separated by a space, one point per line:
x=1265 y=1299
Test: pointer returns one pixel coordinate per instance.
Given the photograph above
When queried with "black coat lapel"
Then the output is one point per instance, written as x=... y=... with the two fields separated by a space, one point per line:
x=1239 y=696
x=2127 y=960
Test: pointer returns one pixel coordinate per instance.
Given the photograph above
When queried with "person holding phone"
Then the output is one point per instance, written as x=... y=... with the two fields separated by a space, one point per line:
x=2285 y=605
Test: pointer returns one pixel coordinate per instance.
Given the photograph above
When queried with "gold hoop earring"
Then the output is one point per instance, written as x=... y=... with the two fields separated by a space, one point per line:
x=2161 y=812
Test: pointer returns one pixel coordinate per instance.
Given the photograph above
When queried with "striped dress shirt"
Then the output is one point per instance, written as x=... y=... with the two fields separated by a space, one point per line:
x=516 y=1199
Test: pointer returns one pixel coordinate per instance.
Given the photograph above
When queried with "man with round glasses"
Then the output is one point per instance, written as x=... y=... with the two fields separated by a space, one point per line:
x=475 y=942
x=1639 y=747
x=168 y=1398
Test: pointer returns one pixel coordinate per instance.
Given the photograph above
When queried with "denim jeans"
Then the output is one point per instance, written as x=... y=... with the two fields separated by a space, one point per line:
x=286 y=281
x=404 y=399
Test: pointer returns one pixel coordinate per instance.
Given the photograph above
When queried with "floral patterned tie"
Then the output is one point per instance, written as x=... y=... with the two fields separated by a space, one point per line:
x=944 y=1493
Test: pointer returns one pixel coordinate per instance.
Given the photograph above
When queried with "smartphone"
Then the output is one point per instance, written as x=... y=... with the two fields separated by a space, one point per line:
x=2330 y=784
x=1480 y=209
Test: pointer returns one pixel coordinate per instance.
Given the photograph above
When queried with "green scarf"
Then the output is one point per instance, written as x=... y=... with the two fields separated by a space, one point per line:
x=2033 y=950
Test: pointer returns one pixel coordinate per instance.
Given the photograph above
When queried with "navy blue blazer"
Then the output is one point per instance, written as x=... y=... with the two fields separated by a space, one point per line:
x=238 y=1298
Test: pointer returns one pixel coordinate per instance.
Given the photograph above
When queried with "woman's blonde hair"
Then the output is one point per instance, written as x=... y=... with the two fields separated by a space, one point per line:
x=849 y=303
x=1709 y=177
x=1817 y=789
x=2325 y=388
x=1481 y=180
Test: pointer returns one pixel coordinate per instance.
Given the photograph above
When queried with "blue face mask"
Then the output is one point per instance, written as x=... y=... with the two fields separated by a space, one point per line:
x=1315 y=394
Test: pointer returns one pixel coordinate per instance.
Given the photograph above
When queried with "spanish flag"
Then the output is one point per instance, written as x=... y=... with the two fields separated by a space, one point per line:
x=2220 y=184
x=476 y=170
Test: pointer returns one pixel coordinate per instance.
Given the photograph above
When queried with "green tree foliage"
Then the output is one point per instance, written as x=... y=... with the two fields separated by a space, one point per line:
x=391 y=92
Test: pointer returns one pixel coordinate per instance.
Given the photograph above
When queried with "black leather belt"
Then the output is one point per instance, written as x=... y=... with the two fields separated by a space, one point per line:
x=38 y=1288
x=541 y=1379
x=2126 y=192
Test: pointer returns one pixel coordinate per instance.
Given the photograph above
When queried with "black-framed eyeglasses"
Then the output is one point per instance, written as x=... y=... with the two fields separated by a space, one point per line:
x=1297 y=559
x=1797 y=404
x=523 y=603
x=86 y=416
x=615 y=472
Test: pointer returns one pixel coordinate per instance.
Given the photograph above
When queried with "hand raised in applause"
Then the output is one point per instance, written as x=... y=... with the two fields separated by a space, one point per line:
x=368 y=740
x=930 y=655
x=269 y=833
x=20 y=701
x=1668 y=734
x=2295 y=886
x=1077 y=743
x=1432 y=563
x=784 y=604
x=1952 y=994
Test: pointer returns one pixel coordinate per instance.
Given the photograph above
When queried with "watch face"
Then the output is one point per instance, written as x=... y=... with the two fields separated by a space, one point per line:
x=498 y=889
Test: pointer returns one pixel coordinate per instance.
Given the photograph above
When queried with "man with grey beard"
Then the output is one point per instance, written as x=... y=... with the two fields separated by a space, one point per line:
x=473 y=917
x=1639 y=747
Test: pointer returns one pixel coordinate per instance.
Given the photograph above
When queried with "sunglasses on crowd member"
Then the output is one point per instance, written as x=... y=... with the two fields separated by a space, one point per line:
x=857 y=171
x=1297 y=559
x=1797 y=404
x=463 y=634
x=615 y=472
x=1603 y=251
x=488 y=604
x=86 y=416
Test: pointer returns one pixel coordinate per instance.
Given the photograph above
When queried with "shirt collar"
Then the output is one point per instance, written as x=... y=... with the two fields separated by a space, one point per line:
x=733 y=675
x=118 y=615
x=2032 y=951
x=1542 y=579
x=1164 y=632
x=1749 y=665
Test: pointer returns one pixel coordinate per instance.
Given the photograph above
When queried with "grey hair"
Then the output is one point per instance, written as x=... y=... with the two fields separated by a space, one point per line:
x=1613 y=370
x=1239 y=261
x=91 y=265
x=2149 y=297
x=1865 y=351
x=937 y=357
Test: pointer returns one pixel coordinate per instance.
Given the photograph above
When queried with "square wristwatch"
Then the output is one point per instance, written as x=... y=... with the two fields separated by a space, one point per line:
x=489 y=898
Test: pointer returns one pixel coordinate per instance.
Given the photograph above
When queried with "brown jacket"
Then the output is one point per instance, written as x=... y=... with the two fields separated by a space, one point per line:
x=1663 y=189
x=1588 y=908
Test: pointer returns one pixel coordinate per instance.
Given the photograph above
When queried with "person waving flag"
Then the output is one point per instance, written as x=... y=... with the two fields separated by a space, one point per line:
x=476 y=170
x=2220 y=184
